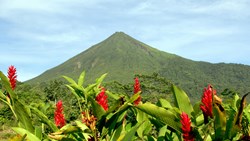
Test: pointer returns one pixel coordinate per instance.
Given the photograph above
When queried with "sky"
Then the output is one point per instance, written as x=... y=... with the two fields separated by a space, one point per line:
x=36 y=35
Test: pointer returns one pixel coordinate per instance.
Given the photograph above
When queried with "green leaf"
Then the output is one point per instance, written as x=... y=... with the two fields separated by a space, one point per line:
x=115 y=105
x=219 y=121
x=99 y=80
x=90 y=88
x=247 y=114
x=44 y=118
x=238 y=118
x=197 y=115
x=234 y=124
x=22 y=113
x=120 y=112
x=161 y=114
x=2 y=96
x=146 y=126
x=236 y=98
x=117 y=133
x=81 y=78
x=70 y=80
x=164 y=103
x=230 y=132
x=182 y=101
x=162 y=131
x=131 y=133
x=6 y=85
x=199 y=120
x=84 y=129
x=67 y=139
x=82 y=126
x=158 y=124
x=114 y=96
x=113 y=121
x=98 y=111
x=197 y=109
x=134 y=98
x=151 y=138
x=77 y=94
x=38 y=132
x=127 y=104
x=69 y=129
x=64 y=132
x=73 y=83
x=5 y=99
x=22 y=132
x=198 y=136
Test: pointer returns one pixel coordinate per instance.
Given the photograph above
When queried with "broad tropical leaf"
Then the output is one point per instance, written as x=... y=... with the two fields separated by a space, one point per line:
x=23 y=115
x=182 y=100
x=118 y=133
x=28 y=134
x=99 y=80
x=146 y=126
x=161 y=114
x=44 y=118
x=164 y=103
x=81 y=78
x=130 y=134
x=219 y=121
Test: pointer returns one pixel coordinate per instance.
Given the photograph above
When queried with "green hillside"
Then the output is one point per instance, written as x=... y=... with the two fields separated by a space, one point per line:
x=194 y=76
x=122 y=56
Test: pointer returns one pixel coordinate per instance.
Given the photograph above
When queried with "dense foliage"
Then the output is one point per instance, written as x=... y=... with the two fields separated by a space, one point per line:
x=100 y=114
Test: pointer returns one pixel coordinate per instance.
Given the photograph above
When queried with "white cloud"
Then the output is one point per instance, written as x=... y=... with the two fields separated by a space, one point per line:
x=228 y=8
x=59 y=38
x=37 y=31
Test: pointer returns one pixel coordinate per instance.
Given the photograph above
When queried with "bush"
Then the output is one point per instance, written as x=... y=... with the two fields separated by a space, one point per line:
x=99 y=114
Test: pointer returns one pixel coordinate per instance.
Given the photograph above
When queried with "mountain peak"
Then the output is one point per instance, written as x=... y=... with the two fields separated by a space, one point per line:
x=119 y=36
x=119 y=33
x=120 y=42
x=119 y=55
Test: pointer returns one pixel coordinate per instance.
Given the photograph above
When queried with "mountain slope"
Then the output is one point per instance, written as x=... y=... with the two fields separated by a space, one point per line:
x=122 y=56
x=193 y=76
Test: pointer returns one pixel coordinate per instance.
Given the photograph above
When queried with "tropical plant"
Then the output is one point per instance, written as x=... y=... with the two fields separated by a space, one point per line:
x=113 y=116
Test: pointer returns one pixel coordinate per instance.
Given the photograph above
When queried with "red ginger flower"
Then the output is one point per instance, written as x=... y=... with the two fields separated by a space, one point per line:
x=101 y=99
x=137 y=89
x=12 y=76
x=207 y=102
x=58 y=115
x=186 y=127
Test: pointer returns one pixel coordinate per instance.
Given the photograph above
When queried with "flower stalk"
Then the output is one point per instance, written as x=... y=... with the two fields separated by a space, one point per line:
x=207 y=103
x=58 y=115
x=186 y=127
x=137 y=89
x=12 y=76
x=101 y=99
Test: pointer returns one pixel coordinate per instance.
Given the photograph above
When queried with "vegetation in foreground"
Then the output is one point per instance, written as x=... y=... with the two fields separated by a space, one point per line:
x=104 y=115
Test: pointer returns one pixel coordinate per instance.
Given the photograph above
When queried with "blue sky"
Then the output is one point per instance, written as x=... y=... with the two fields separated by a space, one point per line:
x=37 y=35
